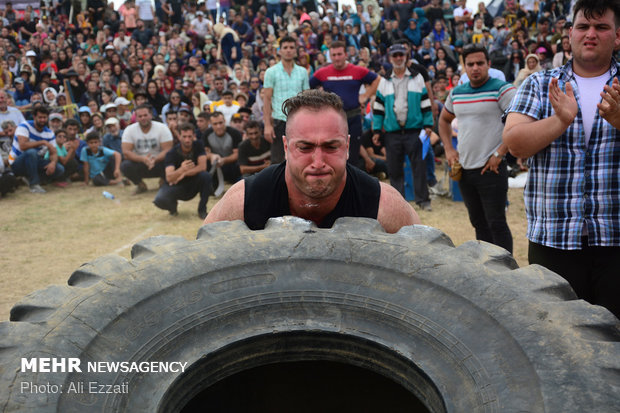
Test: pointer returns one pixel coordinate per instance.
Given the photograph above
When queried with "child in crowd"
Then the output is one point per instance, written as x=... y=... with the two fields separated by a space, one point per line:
x=101 y=164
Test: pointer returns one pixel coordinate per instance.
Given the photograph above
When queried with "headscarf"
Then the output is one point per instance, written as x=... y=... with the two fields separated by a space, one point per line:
x=526 y=71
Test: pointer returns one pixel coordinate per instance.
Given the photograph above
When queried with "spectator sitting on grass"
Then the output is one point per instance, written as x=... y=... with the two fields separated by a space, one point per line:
x=101 y=165
x=66 y=156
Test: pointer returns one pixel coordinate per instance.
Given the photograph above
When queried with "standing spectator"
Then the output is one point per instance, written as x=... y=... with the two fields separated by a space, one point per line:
x=146 y=13
x=484 y=182
x=145 y=144
x=186 y=174
x=532 y=65
x=255 y=151
x=32 y=140
x=402 y=108
x=572 y=137
x=345 y=80
x=282 y=81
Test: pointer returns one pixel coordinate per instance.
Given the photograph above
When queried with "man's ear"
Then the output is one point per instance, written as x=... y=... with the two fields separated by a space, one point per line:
x=348 y=145
x=285 y=143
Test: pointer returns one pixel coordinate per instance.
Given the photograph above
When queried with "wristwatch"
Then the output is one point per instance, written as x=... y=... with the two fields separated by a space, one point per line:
x=497 y=155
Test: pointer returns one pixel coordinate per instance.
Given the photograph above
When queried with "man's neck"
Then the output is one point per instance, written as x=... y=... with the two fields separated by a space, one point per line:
x=399 y=72
x=288 y=64
x=589 y=70
x=314 y=210
x=147 y=128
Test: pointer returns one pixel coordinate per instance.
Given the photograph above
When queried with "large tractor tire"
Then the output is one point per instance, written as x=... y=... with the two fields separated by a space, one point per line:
x=274 y=320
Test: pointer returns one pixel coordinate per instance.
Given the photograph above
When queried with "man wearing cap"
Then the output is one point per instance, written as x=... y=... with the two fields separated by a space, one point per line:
x=85 y=117
x=113 y=136
x=9 y=112
x=145 y=144
x=200 y=26
x=402 y=108
x=55 y=121
x=345 y=80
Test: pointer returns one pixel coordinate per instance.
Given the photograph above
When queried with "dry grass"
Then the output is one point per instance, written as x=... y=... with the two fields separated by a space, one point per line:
x=44 y=238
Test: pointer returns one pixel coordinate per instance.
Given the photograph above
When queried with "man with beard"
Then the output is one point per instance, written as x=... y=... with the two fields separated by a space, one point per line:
x=315 y=182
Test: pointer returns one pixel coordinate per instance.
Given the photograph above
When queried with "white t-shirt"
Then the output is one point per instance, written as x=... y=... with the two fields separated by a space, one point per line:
x=147 y=143
x=201 y=27
x=144 y=9
x=211 y=4
x=590 y=89
x=12 y=113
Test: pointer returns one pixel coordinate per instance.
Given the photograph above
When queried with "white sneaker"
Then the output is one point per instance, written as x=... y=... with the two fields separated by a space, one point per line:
x=36 y=189
x=437 y=190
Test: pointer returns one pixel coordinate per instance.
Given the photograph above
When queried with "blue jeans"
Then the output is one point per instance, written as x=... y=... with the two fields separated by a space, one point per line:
x=273 y=10
x=32 y=166
x=485 y=198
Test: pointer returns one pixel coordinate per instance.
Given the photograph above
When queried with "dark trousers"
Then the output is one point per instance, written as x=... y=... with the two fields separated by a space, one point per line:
x=137 y=171
x=71 y=167
x=397 y=146
x=103 y=178
x=485 y=198
x=593 y=272
x=32 y=166
x=277 y=147
x=168 y=195
x=355 y=132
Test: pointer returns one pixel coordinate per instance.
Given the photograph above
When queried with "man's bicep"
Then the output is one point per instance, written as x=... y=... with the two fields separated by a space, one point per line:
x=230 y=207
x=394 y=212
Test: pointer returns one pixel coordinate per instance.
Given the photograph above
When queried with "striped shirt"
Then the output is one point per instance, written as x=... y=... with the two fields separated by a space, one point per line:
x=473 y=108
x=27 y=129
x=571 y=183
x=284 y=86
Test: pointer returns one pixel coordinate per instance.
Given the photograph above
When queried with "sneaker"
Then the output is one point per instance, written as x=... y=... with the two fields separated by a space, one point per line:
x=426 y=206
x=173 y=213
x=36 y=189
x=140 y=188
x=202 y=214
x=437 y=190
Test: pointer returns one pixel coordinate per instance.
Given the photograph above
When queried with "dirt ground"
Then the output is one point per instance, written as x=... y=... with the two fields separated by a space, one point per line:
x=44 y=238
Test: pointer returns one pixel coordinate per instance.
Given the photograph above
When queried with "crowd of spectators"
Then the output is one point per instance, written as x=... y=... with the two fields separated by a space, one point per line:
x=92 y=66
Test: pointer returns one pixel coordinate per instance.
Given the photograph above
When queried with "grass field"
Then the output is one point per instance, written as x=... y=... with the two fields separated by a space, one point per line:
x=44 y=238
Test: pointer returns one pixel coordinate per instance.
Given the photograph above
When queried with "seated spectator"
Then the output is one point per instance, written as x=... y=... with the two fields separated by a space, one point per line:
x=254 y=151
x=186 y=173
x=227 y=106
x=32 y=140
x=66 y=156
x=113 y=137
x=101 y=164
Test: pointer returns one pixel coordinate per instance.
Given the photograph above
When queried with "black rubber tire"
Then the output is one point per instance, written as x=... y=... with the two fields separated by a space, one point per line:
x=464 y=329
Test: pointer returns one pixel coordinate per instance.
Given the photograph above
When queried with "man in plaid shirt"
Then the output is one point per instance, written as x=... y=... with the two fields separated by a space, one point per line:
x=572 y=137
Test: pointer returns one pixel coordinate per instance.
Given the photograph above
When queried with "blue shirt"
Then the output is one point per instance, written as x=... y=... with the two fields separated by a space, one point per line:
x=97 y=162
x=569 y=183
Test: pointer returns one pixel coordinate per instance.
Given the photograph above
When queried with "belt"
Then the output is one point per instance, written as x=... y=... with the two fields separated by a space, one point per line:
x=351 y=113
x=404 y=131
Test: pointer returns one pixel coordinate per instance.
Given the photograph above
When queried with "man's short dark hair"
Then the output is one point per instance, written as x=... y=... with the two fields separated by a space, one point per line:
x=227 y=93
x=597 y=8
x=145 y=106
x=252 y=124
x=171 y=112
x=475 y=48
x=40 y=109
x=313 y=99
x=185 y=126
x=93 y=136
x=288 y=39
x=338 y=44
x=71 y=122
x=217 y=114
x=204 y=115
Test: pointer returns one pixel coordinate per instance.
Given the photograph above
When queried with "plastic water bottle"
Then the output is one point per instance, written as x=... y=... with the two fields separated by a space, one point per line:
x=108 y=195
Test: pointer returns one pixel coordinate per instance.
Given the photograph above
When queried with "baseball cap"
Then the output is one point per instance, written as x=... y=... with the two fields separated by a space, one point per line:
x=120 y=101
x=31 y=53
x=19 y=80
x=397 y=48
x=57 y=116
x=110 y=105
x=199 y=13
x=85 y=109
x=185 y=109
x=109 y=47
x=111 y=121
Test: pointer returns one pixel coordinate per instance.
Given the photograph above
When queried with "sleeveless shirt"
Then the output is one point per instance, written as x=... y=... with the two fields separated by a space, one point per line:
x=266 y=196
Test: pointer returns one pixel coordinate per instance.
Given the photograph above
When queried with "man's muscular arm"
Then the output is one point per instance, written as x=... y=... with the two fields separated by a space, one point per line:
x=230 y=207
x=394 y=212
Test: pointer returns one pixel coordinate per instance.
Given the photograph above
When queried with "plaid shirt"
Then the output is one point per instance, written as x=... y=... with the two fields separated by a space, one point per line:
x=284 y=86
x=569 y=183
